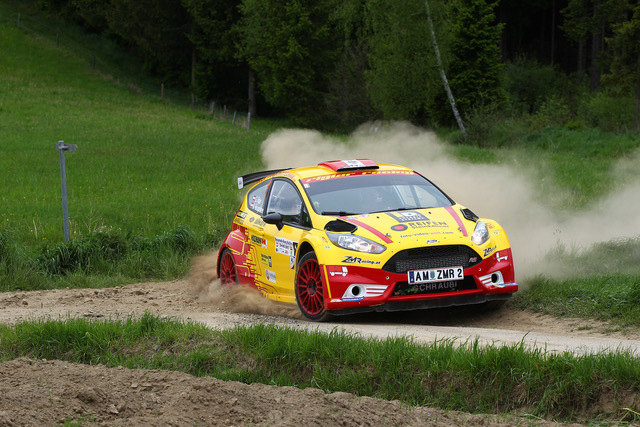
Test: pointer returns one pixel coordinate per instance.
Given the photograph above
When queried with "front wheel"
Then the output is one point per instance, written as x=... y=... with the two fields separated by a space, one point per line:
x=228 y=273
x=310 y=292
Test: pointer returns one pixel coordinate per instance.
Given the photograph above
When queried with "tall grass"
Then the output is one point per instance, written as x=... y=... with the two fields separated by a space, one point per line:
x=468 y=378
x=99 y=259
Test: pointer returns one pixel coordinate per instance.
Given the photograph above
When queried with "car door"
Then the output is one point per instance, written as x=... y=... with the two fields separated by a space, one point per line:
x=285 y=199
x=254 y=229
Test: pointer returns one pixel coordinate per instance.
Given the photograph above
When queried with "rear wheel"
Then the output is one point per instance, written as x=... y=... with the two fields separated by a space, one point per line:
x=310 y=292
x=228 y=272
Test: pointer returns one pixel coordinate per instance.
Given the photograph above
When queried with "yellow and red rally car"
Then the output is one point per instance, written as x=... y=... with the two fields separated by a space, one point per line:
x=347 y=236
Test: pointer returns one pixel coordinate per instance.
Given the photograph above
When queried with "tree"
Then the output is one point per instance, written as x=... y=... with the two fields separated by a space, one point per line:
x=625 y=65
x=157 y=30
x=475 y=68
x=403 y=80
x=292 y=48
x=220 y=74
x=584 y=18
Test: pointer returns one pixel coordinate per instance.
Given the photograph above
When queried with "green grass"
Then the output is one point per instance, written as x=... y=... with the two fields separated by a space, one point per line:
x=601 y=283
x=469 y=378
x=142 y=166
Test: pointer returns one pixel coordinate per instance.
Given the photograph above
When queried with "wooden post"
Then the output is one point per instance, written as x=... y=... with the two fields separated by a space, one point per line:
x=162 y=91
x=233 y=122
x=249 y=121
x=224 y=113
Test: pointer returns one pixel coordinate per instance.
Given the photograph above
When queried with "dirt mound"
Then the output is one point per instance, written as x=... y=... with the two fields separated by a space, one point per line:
x=36 y=392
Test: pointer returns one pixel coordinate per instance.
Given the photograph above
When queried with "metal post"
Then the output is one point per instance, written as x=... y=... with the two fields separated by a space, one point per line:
x=62 y=147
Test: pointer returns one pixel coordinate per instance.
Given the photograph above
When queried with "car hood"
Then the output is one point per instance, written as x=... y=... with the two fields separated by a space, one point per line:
x=418 y=227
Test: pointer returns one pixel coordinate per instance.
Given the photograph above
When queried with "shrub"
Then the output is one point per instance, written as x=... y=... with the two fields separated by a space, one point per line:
x=529 y=84
x=602 y=110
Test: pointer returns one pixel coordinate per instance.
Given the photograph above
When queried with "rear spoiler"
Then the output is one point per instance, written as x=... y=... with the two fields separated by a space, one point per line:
x=256 y=176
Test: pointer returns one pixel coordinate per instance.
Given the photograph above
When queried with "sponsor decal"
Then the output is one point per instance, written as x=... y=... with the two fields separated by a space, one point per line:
x=271 y=276
x=251 y=219
x=399 y=227
x=357 y=260
x=259 y=222
x=342 y=273
x=501 y=258
x=489 y=251
x=354 y=173
x=240 y=216
x=496 y=232
x=473 y=259
x=266 y=259
x=427 y=224
x=407 y=216
x=431 y=287
x=284 y=246
x=430 y=241
x=257 y=240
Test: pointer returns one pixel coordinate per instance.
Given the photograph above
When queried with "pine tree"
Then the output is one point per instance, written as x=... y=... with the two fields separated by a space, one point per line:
x=475 y=69
x=625 y=65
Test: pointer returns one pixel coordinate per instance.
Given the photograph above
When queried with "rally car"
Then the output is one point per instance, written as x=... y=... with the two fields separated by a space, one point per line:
x=348 y=236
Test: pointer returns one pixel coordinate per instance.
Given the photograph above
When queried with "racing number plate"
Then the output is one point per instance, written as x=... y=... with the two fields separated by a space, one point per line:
x=435 y=275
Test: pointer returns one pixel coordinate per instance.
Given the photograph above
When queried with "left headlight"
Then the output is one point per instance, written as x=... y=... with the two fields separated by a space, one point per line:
x=480 y=234
x=355 y=243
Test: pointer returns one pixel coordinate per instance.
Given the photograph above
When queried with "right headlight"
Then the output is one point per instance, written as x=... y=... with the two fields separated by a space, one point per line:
x=480 y=233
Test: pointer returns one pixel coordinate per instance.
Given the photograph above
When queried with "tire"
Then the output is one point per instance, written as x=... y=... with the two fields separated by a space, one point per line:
x=228 y=273
x=310 y=292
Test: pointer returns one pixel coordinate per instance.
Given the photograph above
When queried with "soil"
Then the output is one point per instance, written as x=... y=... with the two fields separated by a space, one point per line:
x=36 y=392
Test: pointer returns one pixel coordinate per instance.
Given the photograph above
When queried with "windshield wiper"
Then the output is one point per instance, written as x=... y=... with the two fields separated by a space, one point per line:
x=338 y=213
x=397 y=209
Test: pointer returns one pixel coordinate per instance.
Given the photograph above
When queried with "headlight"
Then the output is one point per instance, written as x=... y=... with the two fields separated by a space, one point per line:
x=355 y=243
x=480 y=234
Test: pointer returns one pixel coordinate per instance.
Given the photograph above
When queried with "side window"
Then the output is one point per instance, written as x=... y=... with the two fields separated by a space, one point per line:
x=285 y=200
x=255 y=198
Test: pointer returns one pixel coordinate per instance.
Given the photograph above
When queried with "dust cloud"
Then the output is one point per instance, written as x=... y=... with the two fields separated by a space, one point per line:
x=507 y=192
x=206 y=286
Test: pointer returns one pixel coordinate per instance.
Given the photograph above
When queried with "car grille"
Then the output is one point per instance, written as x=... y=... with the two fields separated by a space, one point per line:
x=432 y=257
x=404 y=288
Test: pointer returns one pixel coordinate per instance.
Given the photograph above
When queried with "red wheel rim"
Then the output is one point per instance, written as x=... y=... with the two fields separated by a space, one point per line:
x=310 y=289
x=227 y=270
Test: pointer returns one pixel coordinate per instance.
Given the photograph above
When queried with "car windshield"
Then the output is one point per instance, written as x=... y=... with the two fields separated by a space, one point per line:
x=367 y=193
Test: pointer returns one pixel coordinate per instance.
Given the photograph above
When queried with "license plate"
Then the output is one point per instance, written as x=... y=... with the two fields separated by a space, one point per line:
x=435 y=275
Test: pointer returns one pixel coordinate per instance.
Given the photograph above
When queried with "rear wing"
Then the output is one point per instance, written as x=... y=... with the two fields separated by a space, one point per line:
x=256 y=176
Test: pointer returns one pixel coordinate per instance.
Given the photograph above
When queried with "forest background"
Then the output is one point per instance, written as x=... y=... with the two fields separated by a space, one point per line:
x=334 y=64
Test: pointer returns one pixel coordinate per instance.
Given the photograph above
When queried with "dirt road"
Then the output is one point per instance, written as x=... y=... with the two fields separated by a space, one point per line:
x=48 y=392
x=181 y=300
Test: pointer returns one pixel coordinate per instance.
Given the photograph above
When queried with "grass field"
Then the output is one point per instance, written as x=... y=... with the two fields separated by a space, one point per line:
x=469 y=378
x=153 y=182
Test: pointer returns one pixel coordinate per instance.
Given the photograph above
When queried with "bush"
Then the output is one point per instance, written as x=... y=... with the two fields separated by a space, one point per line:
x=99 y=252
x=529 y=84
x=602 y=110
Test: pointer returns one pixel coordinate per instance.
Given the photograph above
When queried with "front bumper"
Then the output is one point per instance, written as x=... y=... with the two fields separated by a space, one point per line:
x=354 y=289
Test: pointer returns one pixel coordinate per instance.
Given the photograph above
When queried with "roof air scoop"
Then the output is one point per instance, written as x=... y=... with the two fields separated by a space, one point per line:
x=350 y=165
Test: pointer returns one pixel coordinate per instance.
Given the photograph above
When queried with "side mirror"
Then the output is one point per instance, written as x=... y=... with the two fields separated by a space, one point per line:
x=274 y=218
